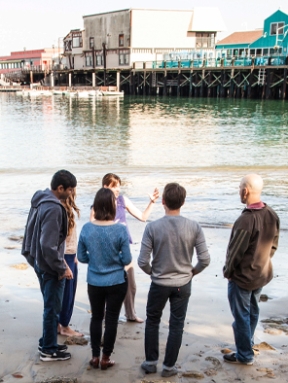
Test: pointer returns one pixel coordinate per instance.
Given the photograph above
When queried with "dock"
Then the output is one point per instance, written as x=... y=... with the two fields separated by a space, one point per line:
x=242 y=78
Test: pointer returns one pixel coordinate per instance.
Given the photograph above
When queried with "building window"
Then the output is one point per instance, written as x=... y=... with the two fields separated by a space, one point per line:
x=124 y=58
x=88 y=60
x=91 y=42
x=274 y=27
x=265 y=51
x=99 y=60
x=121 y=40
x=77 y=42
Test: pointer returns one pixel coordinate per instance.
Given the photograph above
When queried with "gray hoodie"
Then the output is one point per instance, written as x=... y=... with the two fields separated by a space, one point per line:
x=45 y=233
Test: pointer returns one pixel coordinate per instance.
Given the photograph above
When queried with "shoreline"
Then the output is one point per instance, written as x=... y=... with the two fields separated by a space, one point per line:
x=207 y=327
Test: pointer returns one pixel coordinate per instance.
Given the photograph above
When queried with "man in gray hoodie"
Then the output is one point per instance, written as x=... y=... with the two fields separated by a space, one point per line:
x=43 y=246
x=171 y=240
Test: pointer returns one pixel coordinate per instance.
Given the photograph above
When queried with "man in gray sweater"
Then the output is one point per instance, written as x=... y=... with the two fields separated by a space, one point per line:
x=171 y=240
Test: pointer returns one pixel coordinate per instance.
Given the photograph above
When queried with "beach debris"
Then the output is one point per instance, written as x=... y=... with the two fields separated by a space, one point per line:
x=264 y=298
x=59 y=379
x=154 y=381
x=275 y=326
x=193 y=374
x=20 y=266
x=16 y=238
x=216 y=362
x=210 y=372
x=226 y=351
x=269 y=372
x=70 y=340
x=263 y=346
x=17 y=375
x=9 y=247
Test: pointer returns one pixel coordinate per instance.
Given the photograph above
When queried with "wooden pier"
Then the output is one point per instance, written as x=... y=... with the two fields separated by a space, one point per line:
x=258 y=82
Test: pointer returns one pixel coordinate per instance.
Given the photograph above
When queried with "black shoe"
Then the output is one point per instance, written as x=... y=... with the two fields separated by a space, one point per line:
x=231 y=358
x=166 y=373
x=55 y=356
x=61 y=347
x=149 y=368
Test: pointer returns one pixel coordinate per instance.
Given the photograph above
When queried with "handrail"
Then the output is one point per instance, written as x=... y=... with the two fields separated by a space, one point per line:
x=212 y=62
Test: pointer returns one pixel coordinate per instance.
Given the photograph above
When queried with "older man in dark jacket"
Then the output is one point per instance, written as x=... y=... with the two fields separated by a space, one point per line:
x=248 y=267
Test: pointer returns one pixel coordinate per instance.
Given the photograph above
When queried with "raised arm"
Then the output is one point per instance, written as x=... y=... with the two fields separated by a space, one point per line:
x=136 y=213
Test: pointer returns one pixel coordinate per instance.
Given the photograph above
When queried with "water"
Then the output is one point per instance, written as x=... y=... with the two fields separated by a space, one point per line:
x=207 y=145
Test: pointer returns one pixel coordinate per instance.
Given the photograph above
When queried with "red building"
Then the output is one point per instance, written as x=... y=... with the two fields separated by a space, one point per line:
x=37 y=58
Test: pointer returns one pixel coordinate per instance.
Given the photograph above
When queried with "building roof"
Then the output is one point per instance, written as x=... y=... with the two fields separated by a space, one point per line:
x=207 y=19
x=244 y=37
x=204 y=19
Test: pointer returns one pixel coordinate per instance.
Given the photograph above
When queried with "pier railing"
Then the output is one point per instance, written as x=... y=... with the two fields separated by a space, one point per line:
x=212 y=62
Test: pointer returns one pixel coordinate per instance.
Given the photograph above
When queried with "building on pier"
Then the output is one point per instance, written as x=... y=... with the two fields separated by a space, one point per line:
x=270 y=42
x=117 y=39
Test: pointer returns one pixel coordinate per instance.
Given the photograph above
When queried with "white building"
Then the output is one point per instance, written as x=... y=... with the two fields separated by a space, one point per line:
x=120 y=38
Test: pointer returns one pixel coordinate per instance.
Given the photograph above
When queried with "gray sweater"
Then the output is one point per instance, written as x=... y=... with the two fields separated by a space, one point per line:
x=171 y=240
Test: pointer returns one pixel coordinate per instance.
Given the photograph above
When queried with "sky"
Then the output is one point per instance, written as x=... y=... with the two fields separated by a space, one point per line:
x=34 y=24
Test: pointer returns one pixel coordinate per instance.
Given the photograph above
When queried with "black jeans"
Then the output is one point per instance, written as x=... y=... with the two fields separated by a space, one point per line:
x=157 y=298
x=112 y=297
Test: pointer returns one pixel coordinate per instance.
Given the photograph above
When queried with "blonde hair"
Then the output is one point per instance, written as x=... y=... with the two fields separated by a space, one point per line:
x=71 y=208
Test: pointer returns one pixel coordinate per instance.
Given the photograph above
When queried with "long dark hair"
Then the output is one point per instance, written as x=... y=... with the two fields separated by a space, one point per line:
x=104 y=205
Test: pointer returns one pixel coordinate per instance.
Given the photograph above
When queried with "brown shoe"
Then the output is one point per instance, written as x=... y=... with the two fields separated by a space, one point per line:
x=94 y=362
x=106 y=362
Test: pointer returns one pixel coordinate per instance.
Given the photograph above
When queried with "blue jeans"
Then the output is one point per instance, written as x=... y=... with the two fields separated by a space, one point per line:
x=245 y=310
x=157 y=299
x=69 y=291
x=52 y=290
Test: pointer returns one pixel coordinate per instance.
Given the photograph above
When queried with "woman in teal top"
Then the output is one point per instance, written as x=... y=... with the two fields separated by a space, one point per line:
x=104 y=245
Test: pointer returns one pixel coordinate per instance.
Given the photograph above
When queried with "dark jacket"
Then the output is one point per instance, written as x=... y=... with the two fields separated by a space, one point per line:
x=253 y=242
x=45 y=233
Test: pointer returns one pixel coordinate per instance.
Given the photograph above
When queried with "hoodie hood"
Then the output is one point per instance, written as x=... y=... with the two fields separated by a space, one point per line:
x=43 y=196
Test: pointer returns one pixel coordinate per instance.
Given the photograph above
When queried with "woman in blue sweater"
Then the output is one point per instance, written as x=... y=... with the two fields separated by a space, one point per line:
x=104 y=245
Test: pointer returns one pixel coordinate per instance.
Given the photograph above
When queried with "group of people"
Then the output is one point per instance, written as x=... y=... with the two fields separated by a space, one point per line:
x=167 y=247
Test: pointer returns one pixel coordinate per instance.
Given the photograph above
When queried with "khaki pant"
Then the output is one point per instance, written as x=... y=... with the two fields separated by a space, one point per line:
x=130 y=295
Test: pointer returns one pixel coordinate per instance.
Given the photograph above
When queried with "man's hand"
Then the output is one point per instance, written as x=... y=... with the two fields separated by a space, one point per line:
x=68 y=274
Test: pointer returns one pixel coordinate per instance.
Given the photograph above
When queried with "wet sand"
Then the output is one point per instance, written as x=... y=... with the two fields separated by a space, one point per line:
x=207 y=330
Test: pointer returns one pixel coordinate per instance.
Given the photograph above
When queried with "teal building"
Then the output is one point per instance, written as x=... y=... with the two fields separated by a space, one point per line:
x=272 y=41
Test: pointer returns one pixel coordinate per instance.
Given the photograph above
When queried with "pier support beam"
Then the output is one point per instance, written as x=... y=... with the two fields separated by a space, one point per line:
x=93 y=79
x=284 y=84
x=70 y=80
x=52 y=79
x=118 y=81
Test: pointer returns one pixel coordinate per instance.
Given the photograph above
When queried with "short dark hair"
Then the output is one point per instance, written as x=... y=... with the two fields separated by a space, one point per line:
x=174 y=196
x=104 y=205
x=64 y=178
x=111 y=178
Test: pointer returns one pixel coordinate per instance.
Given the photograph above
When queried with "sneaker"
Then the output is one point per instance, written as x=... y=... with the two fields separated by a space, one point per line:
x=231 y=358
x=58 y=355
x=149 y=368
x=61 y=347
x=166 y=373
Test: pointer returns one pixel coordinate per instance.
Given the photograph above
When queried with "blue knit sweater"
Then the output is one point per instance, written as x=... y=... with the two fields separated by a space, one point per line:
x=106 y=250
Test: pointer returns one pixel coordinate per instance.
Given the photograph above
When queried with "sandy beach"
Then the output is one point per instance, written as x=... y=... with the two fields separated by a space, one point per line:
x=207 y=330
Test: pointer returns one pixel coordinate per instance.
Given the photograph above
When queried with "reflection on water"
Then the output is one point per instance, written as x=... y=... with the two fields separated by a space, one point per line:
x=207 y=145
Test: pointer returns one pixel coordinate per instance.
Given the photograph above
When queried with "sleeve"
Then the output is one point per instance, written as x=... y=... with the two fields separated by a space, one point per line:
x=202 y=253
x=49 y=239
x=276 y=238
x=145 y=252
x=82 y=252
x=238 y=244
x=125 y=253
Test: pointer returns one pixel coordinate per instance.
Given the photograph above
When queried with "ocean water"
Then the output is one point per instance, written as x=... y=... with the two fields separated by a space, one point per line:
x=207 y=145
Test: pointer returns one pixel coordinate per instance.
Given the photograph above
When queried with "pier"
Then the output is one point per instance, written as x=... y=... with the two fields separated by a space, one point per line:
x=238 y=78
